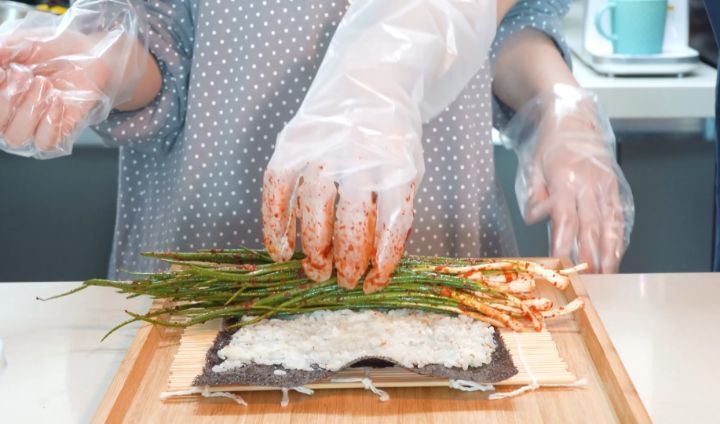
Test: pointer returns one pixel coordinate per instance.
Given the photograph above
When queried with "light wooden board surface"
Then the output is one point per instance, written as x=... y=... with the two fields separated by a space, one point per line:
x=609 y=396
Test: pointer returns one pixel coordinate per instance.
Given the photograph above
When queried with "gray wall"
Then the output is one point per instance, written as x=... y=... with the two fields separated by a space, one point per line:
x=57 y=216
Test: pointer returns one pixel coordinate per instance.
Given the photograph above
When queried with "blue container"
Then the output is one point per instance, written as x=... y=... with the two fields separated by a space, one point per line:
x=638 y=26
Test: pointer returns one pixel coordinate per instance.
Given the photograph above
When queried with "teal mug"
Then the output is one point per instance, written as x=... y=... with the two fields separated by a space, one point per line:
x=638 y=26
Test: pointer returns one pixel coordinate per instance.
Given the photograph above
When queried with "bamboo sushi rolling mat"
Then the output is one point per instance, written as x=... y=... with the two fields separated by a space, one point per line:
x=538 y=350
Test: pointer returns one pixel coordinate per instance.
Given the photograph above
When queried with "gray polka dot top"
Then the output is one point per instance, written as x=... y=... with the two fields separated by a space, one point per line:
x=191 y=162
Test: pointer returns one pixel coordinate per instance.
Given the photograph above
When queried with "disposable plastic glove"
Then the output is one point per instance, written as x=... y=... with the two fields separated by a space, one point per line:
x=391 y=66
x=568 y=171
x=60 y=74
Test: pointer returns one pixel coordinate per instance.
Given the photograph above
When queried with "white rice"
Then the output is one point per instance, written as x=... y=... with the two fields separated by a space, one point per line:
x=333 y=339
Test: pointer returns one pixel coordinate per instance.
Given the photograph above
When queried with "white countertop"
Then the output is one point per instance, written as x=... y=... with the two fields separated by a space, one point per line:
x=57 y=369
x=664 y=327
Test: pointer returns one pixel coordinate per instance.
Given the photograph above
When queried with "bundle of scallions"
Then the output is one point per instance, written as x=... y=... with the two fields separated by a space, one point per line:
x=237 y=283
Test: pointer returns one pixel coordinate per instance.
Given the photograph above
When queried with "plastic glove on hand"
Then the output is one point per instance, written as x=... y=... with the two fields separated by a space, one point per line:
x=356 y=138
x=59 y=75
x=567 y=171
x=362 y=227
x=43 y=99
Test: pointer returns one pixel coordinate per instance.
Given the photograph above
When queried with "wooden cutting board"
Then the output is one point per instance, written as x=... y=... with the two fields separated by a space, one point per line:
x=581 y=339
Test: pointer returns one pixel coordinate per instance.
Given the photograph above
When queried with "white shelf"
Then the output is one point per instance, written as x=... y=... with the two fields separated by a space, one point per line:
x=691 y=96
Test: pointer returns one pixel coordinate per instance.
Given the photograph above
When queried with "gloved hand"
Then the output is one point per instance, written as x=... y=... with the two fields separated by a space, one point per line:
x=59 y=74
x=567 y=170
x=357 y=135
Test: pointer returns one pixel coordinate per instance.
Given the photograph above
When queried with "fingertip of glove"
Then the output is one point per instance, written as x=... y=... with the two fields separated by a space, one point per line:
x=347 y=282
x=317 y=271
x=279 y=251
x=610 y=266
x=374 y=282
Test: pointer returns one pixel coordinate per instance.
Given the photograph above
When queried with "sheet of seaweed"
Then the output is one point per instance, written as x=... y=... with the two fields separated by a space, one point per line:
x=500 y=368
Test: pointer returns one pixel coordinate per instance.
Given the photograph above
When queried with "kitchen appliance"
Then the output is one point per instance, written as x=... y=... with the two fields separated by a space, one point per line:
x=596 y=51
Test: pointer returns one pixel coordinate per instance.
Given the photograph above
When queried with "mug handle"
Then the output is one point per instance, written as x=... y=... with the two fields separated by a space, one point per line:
x=598 y=21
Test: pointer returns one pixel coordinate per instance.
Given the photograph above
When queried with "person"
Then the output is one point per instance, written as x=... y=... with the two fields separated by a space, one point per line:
x=196 y=93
